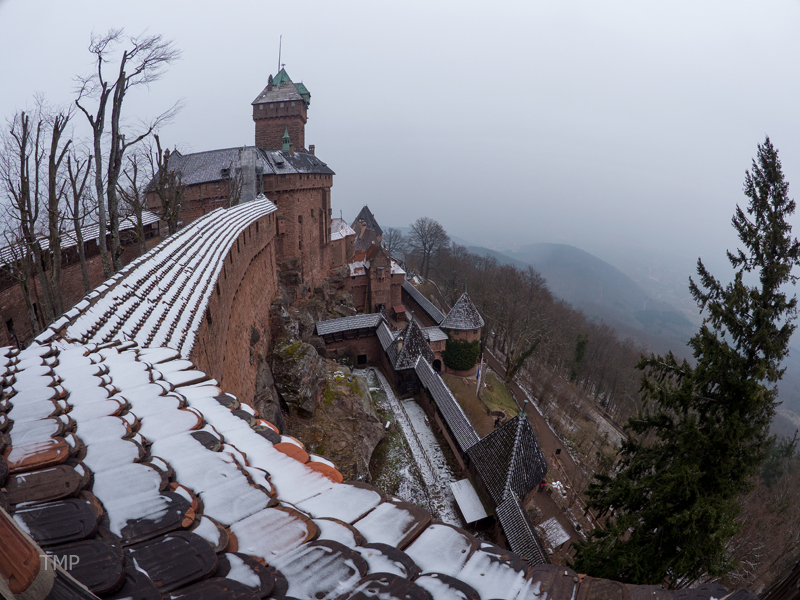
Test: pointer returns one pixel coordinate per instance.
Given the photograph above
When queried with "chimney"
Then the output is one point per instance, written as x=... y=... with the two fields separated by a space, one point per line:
x=311 y=149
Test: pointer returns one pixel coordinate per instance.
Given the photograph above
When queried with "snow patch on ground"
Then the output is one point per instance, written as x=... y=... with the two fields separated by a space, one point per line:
x=426 y=453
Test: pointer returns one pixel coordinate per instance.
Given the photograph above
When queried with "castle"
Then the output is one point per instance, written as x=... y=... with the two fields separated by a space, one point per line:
x=308 y=244
x=121 y=443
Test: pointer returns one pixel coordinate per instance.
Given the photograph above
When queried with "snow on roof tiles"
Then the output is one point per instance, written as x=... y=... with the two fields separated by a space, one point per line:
x=463 y=315
x=69 y=239
x=434 y=334
x=451 y=410
x=408 y=347
x=340 y=229
x=215 y=165
x=519 y=530
x=348 y=323
x=160 y=298
x=510 y=459
x=426 y=305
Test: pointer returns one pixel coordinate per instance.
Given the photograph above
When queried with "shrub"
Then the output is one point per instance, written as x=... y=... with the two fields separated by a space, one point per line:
x=461 y=355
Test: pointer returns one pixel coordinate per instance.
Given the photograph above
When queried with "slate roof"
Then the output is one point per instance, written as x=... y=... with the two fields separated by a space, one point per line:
x=434 y=334
x=510 y=459
x=454 y=416
x=284 y=162
x=209 y=166
x=434 y=313
x=282 y=89
x=385 y=336
x=463 y=315
x=69 y=239
x=368 y=219
x=349 y=323
x=519 y=531
x=408 y=347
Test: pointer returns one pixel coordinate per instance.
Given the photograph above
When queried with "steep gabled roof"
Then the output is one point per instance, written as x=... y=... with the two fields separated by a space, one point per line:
x=408 y=347
x=509 y=459
x=463 y=315
x=369 y=220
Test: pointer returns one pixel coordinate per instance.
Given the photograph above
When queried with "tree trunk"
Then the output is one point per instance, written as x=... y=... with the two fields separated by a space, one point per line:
x=101 y=207
x=87 y=285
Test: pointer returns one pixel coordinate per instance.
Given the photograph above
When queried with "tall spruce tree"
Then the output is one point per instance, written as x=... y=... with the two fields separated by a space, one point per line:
x=671 y=505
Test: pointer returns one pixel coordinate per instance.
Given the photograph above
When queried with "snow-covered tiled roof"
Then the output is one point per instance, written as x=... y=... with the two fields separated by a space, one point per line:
x=510 y=459
x=160 y=298
x=348 y=323
x=213 y=165
x=396 y=268
x=385 y=336
x=408 y=347
x=434 y=313
x=340 y=229
x=9 y=254
x=434 y=334
x=463 y=315
x=451 y=410
x=517 y=527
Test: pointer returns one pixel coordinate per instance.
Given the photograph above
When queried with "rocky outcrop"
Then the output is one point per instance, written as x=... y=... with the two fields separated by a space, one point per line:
x=266 y=399
x=344 y=427
x=299 y=374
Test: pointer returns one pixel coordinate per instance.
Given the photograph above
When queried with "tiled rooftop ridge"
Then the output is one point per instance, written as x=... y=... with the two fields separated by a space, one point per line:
x=160 y=298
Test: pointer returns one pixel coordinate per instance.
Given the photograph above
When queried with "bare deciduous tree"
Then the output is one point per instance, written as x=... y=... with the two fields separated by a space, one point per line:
x=31 y=187
x=427 y=239
x=133 y=197
x=166 y=184
x=78 y=170
x=395 y=242
x=140 y=64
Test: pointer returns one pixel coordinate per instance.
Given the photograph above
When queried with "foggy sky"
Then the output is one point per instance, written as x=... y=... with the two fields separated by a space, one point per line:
x=606 y=125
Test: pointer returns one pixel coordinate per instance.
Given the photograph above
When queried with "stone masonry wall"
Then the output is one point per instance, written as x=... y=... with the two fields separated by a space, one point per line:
x=274 y=118
x=198 y=200
x=236 y=328
x=369 y=346
x=302 y=246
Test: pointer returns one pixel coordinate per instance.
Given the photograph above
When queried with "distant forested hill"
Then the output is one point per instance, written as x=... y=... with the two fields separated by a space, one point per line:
x=603 y=293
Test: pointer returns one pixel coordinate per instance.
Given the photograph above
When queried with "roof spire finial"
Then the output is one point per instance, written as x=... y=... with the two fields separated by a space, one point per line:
x=280 y=47
x=465 y=285
x=287 y=143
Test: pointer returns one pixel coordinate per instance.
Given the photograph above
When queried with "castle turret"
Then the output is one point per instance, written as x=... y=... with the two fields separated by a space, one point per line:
x=280 y=108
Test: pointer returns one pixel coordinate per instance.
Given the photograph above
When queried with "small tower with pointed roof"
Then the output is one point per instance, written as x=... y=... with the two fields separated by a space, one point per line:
x=463 y=322
x=282 y=107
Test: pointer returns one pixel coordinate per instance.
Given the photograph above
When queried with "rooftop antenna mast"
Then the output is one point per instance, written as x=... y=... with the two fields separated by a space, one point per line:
x=280 y=46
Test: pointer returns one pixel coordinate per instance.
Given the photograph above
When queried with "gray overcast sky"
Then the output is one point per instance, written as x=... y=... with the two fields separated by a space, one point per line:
x=615 y=124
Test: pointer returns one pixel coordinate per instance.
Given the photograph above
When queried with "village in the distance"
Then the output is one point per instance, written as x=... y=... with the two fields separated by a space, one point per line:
x=213 y=387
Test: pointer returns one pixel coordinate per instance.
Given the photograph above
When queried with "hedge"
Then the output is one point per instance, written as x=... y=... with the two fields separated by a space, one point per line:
x=461 y=355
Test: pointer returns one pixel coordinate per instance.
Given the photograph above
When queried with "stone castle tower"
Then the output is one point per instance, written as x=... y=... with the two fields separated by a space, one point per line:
x=282 y=107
